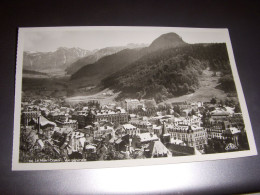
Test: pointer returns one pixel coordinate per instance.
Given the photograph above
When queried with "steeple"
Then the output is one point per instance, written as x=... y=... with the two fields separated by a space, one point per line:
x=164 y=130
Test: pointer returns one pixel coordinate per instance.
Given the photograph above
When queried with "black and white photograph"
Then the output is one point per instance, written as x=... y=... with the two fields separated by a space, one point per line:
x=96 y=97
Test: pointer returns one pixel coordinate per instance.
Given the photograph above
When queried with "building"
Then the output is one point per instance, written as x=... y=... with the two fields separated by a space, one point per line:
x=119 y=116
x=66 y=122
x=192 y=135
x=28 y=116
x=74 y=144
x=157 y=149
x=216 y=129
x=104 y=131
x=147 y=137
x=141 y=124
x=130 y=129
x=180 y=150
x=132 y=104
x=219 y=115
x=45 y=127
x=233 y=134
x=81 y=118
x=193 y=120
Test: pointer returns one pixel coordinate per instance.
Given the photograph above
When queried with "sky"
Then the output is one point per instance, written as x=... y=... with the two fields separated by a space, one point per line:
x=90 y=38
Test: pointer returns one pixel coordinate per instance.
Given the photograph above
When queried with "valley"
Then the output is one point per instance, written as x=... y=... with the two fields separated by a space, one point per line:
x=207 y=90
x=104 y=97
x=168 y=70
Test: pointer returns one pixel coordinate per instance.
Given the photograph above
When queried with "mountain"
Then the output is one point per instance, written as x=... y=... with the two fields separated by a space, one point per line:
x=166 y=41
x=113 y=63
x=167 y=68
x=98 y=54
x=166 y=73
x=57 y=60
x=94 y=73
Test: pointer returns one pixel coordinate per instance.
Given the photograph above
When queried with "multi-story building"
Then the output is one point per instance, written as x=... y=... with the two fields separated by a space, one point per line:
x=104 y=131
x=216 y=130
x=141 y=124
x=81 y=118
x=132 y=104
x=131 y=129
x=219 y=115
x=192 y=135
x=232 y=134
x=118 y=116
x=68 y=123
x=193 y=120
x=27 y=116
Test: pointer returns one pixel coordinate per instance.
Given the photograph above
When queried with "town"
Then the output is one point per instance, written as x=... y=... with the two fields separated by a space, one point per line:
x=53 y=130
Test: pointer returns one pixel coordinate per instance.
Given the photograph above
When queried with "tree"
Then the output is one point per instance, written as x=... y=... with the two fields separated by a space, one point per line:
x=185 y=88
x=221 y=103
x=177 y=109
x=237 y=109
x=193 y=112
x=213 y=101
x=227 y=83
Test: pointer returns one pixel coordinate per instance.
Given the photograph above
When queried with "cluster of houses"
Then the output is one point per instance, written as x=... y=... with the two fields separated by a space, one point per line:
x=111 y=132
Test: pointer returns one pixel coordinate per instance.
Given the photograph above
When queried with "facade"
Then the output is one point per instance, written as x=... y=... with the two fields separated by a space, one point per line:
x=219 y=115
x=193 y=120
x=133 y=104
x=157 y=149
x=147 y=137
x=216 y=130
x=104 y=131
x=81 y=118
x=141 y=124
x=233 y=134
x=119 y=117
x=130 y=129
x=192 y=135
x=69 y=123
x=27 y=116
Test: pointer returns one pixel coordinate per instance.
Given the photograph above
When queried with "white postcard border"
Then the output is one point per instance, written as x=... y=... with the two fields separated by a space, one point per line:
x=120 y=163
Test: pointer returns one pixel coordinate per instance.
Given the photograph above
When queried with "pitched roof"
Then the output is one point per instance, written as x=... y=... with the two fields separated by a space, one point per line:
x=157 y=148
x=44 y=121
x=118 y=141
x=148 y=137
x=179 y=150
x=232 y=130
x=129 y=126
x=231 y=146
x=219 y=113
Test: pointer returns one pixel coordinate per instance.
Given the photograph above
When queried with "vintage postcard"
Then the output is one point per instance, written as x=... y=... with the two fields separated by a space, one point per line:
x=95 y=97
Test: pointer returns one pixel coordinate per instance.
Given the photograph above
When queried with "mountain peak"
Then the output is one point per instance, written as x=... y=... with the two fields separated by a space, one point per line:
x=62 y=48
x=165 y=41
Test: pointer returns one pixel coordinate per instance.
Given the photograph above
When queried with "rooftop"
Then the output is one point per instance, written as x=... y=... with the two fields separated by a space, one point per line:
x=148 y=137
x=129 y=126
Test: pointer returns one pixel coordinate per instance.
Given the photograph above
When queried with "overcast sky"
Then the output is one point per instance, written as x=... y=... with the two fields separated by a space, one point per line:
x=90 y=38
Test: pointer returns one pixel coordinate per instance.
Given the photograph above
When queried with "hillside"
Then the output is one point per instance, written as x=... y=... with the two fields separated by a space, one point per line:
x=170 y=72
x=168 y=68
x=94 y=73
x=98 y=54
x=113 y=63
x=74 y=67
x=208 y=89
x=57 y=60
x=33 y=72
x=166 y=41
